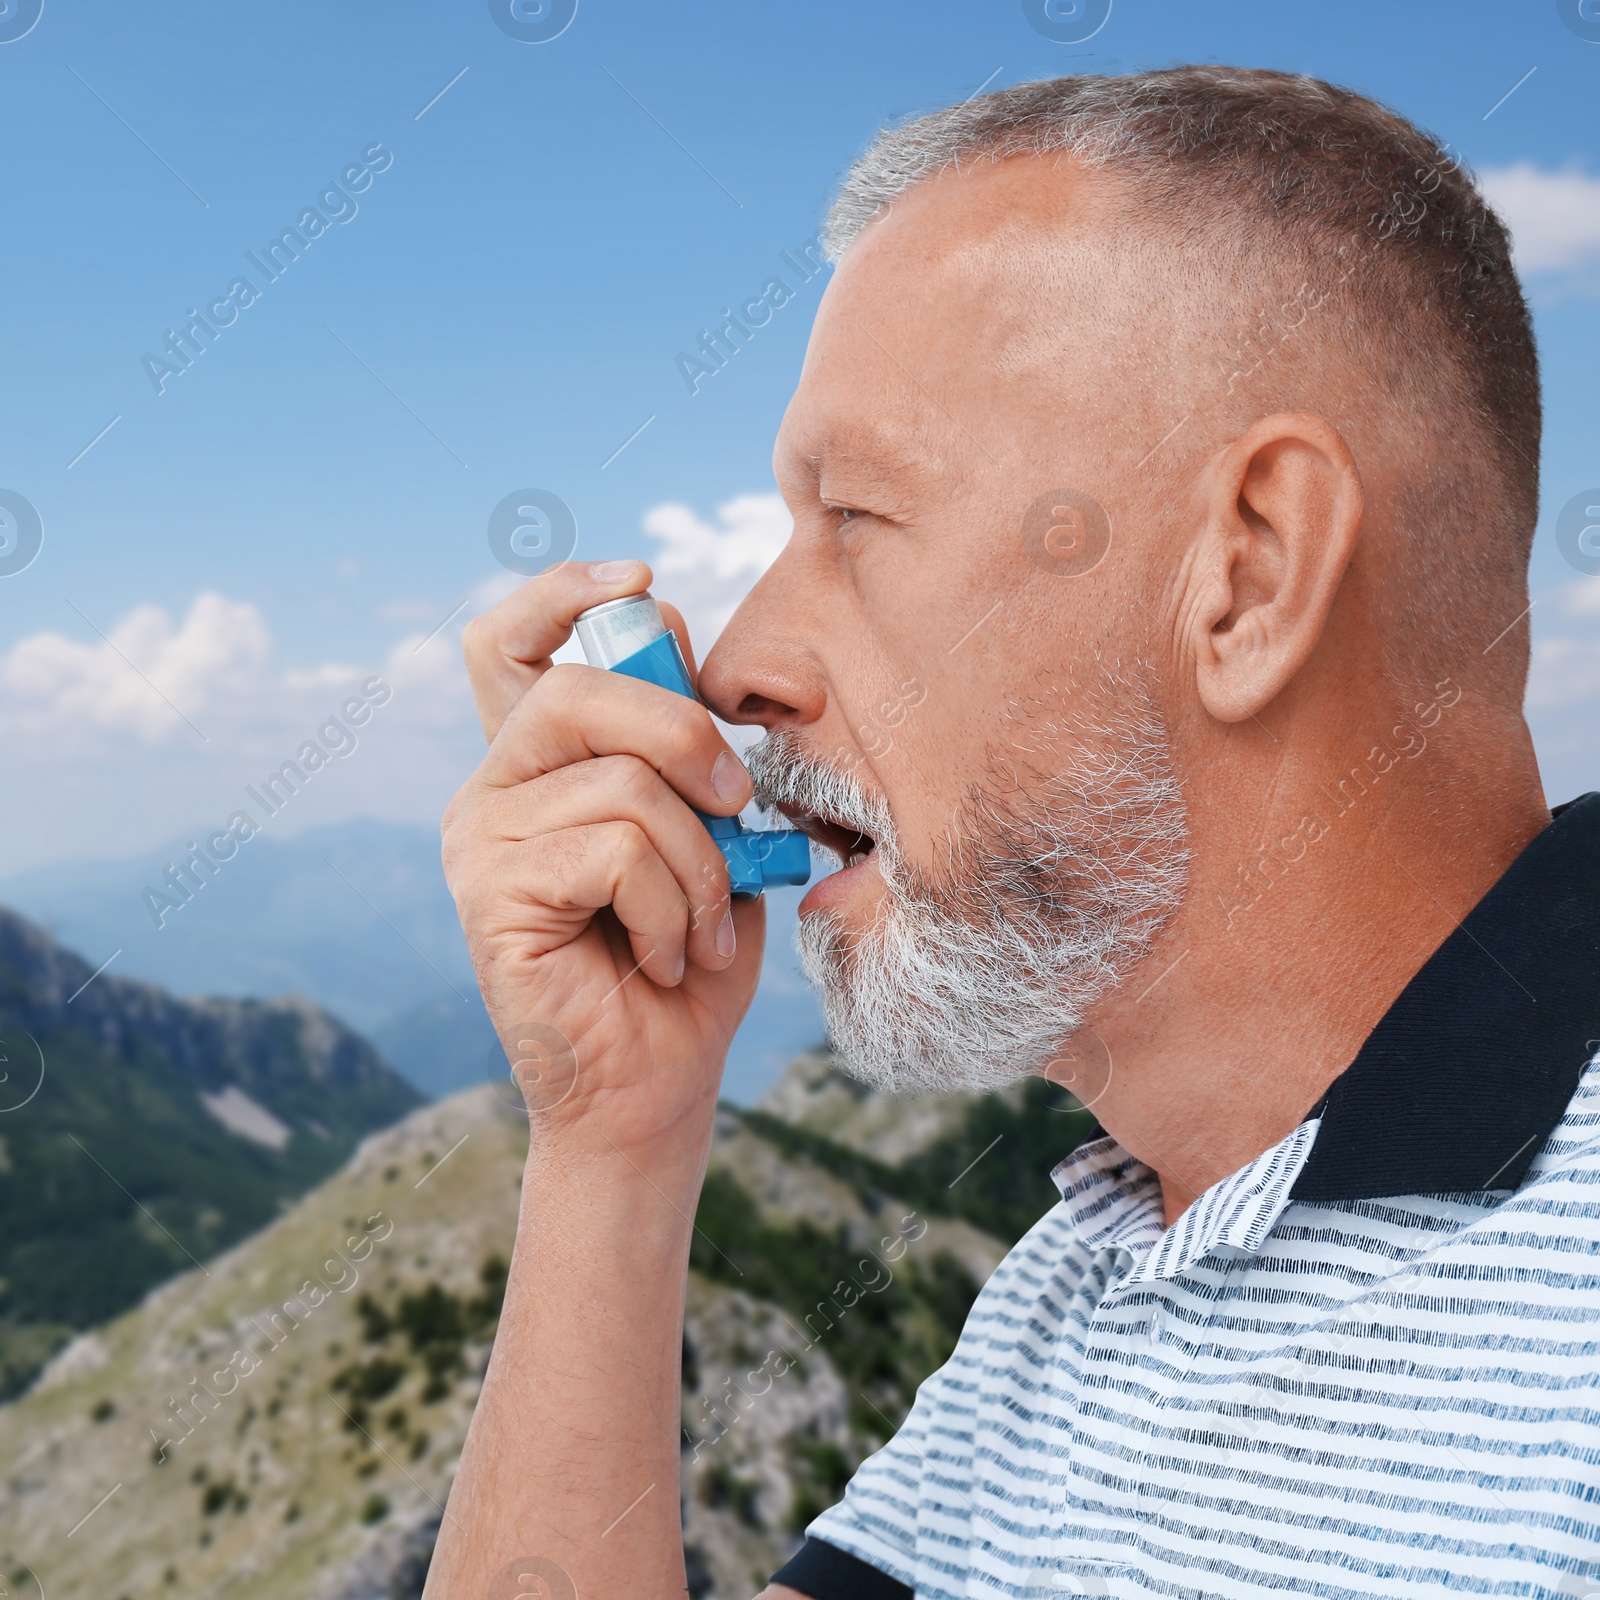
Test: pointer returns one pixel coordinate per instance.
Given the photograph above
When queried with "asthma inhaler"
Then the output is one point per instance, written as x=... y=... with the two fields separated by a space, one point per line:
x=629 y=636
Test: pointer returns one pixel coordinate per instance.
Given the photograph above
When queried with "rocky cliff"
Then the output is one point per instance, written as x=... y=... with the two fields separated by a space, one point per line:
x=141 y=1133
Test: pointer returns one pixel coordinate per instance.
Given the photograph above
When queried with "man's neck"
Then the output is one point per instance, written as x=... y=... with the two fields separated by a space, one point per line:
x=1294 y=940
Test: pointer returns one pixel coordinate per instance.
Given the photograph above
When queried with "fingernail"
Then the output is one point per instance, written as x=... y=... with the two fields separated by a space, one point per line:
x=729 y=778
x=611 y=571
x=677 y=974
x=727 y=939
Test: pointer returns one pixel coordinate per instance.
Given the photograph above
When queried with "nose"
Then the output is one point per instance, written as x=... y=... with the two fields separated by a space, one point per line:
x=764 y=667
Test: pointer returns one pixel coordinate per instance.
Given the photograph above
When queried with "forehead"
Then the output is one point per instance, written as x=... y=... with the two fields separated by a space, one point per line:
x=951 y=308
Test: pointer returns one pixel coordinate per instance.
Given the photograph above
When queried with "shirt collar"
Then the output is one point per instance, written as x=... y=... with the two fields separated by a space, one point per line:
x=1114 y=1202
x=1454 y=1091
x=1470 y=1069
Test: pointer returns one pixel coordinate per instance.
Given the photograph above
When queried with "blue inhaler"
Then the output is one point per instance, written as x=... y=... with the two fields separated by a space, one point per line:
x=629 y=636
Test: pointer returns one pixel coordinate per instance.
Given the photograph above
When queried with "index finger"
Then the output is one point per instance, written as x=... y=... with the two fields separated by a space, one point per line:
x=508 y=647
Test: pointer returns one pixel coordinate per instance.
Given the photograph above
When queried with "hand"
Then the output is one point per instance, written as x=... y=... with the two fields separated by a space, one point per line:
x=593 y=899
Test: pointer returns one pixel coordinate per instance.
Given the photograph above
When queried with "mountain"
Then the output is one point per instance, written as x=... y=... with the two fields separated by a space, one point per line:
x=140 y=1133
x=355 y=916
x=351 y=1334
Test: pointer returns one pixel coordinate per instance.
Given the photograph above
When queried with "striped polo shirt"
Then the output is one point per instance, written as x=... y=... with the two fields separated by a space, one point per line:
x=1367 y=1363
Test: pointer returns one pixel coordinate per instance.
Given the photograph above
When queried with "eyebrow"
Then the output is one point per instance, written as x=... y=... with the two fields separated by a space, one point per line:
x=864 y=456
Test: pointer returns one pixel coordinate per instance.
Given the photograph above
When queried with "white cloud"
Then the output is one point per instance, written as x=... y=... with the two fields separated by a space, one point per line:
x=1563 y=707
x=158 y=684
x=491 y=591
x=754 y=528
x=1564 y=668
x=1554 y=217
x=108 y=763
x=156 y=681
x=705 y=569
x=1564 y=671
x=408 y=610
x=122 y=743
x=331 y=675
x=1582 y=599
x=145 y=676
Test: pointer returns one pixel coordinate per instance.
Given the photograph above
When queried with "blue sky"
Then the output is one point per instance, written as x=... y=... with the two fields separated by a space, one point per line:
x=505 y=309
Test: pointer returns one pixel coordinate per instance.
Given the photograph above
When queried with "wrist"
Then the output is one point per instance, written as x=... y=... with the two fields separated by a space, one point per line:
x=587 y=1169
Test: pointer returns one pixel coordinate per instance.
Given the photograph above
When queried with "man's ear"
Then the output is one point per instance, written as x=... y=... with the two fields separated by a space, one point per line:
x=1282 y=509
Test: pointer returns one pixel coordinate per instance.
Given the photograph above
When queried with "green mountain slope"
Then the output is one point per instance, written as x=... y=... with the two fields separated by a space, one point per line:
x=826 y=1282
x=140 y=1134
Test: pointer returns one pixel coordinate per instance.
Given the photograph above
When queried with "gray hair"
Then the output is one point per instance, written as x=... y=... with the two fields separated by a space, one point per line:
x=1304 y=173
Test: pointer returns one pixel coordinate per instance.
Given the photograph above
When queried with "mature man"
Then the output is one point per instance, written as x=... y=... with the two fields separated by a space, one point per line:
x=1175 y=437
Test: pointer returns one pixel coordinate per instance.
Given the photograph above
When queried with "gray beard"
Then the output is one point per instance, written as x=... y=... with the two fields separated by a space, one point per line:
x=1055 y=885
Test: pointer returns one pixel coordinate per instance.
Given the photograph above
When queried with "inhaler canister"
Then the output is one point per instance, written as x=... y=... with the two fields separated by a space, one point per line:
x=630 y=636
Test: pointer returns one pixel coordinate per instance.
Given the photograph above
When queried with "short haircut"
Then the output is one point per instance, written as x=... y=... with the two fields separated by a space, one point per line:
x=1314 y=173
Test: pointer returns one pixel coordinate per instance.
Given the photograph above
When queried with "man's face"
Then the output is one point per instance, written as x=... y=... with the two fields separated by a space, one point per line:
x=959 y=678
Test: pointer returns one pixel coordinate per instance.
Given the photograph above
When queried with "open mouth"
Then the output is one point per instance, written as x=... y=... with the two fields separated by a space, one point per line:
x=848 y=843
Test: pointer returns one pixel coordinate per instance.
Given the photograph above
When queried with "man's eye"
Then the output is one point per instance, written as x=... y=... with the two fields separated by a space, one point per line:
x=839 y=514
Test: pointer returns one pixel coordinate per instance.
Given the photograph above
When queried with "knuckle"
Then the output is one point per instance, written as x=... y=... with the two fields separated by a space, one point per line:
x=470 y=887
x=628 y=845
x=456 y=826
x=686 y=729
x=635 y=780
x=524 y=812
x=562 y=690
x=478 y=639
x=469 y=880
x=452 y=815
x=621 y=783
x=560 y=856
x=450 y=849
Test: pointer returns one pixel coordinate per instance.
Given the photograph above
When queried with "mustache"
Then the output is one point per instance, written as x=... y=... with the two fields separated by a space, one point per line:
x=786 y=776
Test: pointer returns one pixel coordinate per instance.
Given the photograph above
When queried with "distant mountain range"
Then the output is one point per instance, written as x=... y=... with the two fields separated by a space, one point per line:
x=356 y=918
x=141 y=1134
